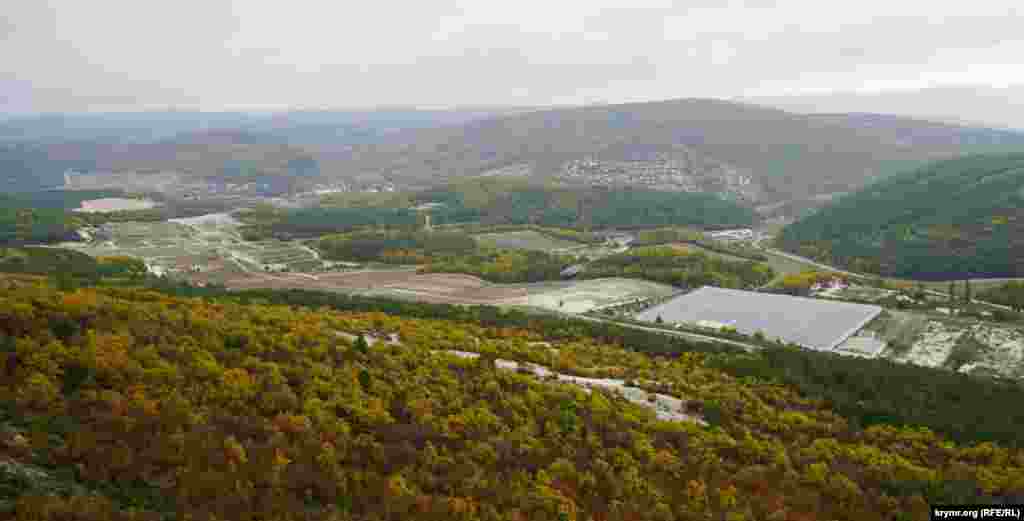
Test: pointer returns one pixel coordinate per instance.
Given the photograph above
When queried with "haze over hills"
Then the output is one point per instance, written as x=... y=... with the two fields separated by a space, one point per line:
x=758 y=154
x=297 y=125
x=979 y=106
x=789 y=155
x=35 y=151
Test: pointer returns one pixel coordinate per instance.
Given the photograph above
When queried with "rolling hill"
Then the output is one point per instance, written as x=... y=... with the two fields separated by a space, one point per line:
x=760 y=155
x=972 y=105
x=36 y=151
x=950 y=219
x=327 y=126
x=789 y=156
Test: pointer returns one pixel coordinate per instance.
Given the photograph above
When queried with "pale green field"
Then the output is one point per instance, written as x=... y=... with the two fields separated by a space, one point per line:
x=524 y=240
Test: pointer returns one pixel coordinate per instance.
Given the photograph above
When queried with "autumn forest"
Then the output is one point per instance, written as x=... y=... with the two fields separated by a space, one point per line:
x=135 y=403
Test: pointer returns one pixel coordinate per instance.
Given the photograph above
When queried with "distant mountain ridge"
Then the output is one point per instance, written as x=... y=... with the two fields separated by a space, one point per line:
x=150 y=127
x=977 y=106
x=791 y=156
x=766 y=155
x=918 y=131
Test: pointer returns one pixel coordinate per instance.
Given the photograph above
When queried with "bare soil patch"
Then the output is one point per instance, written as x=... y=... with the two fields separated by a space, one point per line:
x=431 y=287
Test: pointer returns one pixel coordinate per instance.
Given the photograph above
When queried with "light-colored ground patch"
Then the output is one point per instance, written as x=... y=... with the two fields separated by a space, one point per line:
x=431 y=287
x=864 y=345
x=693 y=248
x=855 y=292
x=209 y=221
x=589 y=295
x=210 y=242
x=784 y=265
x=933 y=346
x=114 y=204
x=1003 y=353
x=666 y=407
x=525 y=240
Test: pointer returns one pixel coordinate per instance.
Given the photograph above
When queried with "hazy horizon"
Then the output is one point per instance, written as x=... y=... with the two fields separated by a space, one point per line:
x=106 y=56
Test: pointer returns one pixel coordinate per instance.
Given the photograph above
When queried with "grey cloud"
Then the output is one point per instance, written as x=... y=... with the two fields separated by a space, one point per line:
x=76 y=55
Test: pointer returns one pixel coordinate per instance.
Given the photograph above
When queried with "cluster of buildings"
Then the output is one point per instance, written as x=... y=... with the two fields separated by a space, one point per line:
x=682 y=173
x=670 y=174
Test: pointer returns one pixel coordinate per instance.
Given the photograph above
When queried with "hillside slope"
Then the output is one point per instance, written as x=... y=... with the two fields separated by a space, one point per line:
x=116 y=400
x=947 y=220
x=787 y=155
x=36 y=151
x=969 y=104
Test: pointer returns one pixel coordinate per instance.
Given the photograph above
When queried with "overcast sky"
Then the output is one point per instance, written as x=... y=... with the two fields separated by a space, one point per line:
x=75 y=55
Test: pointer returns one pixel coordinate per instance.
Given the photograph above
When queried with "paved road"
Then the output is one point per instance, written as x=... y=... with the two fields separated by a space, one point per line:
x=861 y=275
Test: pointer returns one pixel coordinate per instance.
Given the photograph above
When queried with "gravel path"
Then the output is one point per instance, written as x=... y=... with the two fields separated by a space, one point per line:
x=666 y=407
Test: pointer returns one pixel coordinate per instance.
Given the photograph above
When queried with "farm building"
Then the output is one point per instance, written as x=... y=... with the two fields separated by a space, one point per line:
x=811 y=323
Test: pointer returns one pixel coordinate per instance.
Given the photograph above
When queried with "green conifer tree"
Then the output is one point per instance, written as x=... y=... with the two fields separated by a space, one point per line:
x=361 y=345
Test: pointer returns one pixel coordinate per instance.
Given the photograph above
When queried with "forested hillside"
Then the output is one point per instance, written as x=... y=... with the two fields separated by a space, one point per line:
x=42 y=216
x=132 y=404
x=502 y=202
x=47 y=216
x=951 y=219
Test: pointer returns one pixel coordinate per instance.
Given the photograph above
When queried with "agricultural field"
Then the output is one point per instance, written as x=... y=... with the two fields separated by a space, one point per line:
x=525 y=240
x=589 y=295
x=693 y=248
x=394 y=283
x=575 y=296
x=277 y=254
x=205 y=244
x=786 y=266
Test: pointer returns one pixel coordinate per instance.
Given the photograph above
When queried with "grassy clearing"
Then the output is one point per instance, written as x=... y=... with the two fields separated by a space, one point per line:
x=693 y=248
x=524 y=240
x=786 y=266
x=585 y=295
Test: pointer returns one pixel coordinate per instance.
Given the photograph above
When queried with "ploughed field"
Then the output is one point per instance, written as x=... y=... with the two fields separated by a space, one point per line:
x=428 y=287
x=446 y=288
